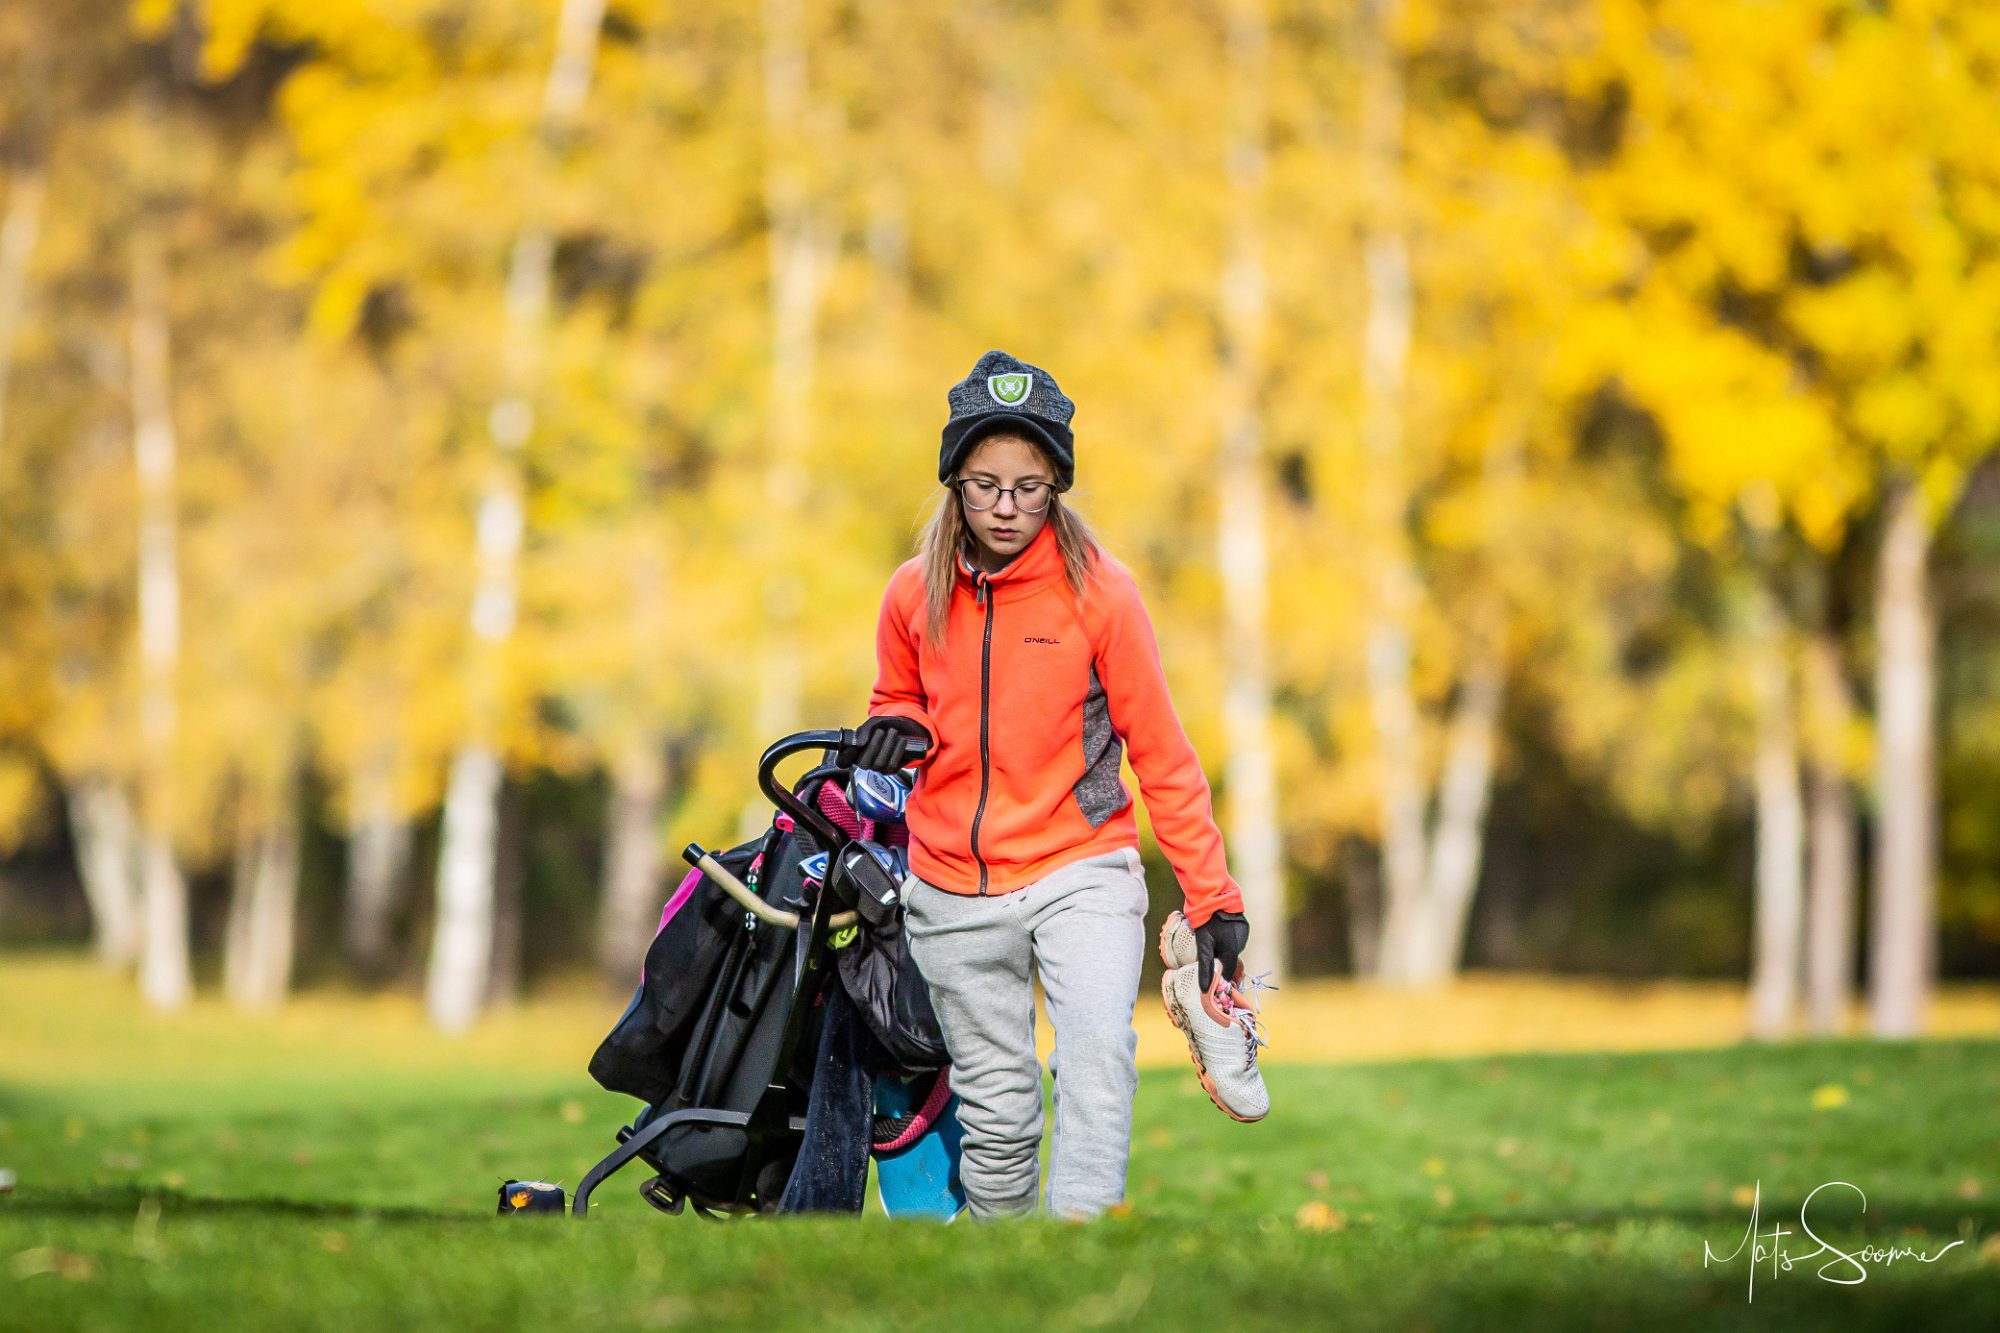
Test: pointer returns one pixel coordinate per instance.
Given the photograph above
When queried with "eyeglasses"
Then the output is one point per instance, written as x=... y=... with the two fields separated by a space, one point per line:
x=1031 y=496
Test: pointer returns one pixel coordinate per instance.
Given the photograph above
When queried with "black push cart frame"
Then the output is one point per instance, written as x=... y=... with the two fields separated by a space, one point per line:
x=769 y=1123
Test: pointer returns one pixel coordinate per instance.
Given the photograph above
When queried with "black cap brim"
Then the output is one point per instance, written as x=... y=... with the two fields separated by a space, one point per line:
x=978 y=428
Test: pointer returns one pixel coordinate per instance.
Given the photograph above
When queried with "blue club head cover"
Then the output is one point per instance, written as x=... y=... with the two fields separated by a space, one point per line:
x=814 y=868
x=879 y=797
x=895 y=860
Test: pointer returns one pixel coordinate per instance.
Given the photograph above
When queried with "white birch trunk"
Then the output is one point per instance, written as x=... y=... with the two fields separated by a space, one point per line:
x=1903 y=935
x=632 y=862
x=1363 y=882
x=378 y=863
x=504 y=976
x=1780 y=875
x=462 y=945
x=1386 y=335
x=107 y=861
x=1458 y=839
x=1430 y=866
x=275 y=928
x=164 y=976
x=1252 y=767
x=259 y=943
x=26 y=193
x=1830 y=924
x=455 y=988
x=801 y=241
x=1830 y=847
x=236 y=926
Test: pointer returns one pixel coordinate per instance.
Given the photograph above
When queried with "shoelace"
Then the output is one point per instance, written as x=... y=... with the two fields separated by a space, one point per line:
x=1239 y=1003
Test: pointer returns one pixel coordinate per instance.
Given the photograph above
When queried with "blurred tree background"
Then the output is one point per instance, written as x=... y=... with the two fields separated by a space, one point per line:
x=442 y=442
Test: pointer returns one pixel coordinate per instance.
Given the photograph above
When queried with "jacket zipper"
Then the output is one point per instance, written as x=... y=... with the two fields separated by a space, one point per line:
x=985 y=676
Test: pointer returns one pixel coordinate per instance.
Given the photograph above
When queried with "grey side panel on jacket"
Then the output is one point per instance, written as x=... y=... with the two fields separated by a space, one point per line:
x=1100 y=793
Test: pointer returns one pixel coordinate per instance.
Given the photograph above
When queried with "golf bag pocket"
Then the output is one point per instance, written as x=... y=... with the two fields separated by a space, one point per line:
x=882 y=979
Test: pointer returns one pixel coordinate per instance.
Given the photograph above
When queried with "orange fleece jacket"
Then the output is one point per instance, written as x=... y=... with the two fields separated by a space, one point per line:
x=1031 y=703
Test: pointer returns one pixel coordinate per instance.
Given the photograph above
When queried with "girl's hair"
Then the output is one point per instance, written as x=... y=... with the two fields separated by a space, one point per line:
x=948 y=533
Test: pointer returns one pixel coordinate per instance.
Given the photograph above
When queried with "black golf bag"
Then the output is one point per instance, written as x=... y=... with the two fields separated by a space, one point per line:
x=721 y=1035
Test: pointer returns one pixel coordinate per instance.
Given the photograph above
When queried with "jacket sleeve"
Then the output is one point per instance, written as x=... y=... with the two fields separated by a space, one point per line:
x=1170 y=777
x=899 y=690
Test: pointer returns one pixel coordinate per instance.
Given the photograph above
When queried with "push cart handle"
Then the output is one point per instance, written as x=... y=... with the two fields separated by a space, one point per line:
x=836 y=740
x=705 y=861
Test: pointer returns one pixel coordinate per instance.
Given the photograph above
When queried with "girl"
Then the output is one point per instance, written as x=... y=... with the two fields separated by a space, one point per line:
x=1019 y=648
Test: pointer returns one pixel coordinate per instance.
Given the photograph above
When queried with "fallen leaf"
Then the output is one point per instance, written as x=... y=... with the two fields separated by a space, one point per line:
x=1318 y=1215
x=1434 y=1166
x=1829 y=1095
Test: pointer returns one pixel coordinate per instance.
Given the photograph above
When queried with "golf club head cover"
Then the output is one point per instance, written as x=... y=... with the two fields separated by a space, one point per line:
x=813 y=869
x=880 y=797
x=876 y=874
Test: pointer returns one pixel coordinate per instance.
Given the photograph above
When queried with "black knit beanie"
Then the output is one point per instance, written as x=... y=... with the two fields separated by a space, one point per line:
x=1003 y=393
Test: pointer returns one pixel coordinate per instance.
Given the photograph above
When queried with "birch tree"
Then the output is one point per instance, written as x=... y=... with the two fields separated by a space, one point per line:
x=101 y=821
x=1432 y=832
x=1835 y=212
x=260 y=937
x=164 y=969
x=1240 y=553
x=461 y=950
x=378 y=864
x=1832 y=834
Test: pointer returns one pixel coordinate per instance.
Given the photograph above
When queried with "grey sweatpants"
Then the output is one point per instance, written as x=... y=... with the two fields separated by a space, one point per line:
x=1083 y=928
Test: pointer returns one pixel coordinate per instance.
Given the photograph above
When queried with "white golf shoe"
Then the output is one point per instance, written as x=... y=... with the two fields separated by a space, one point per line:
x=1222 y=1028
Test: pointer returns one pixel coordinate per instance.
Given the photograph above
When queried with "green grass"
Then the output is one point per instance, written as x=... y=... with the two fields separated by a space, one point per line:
x=1550 y=1191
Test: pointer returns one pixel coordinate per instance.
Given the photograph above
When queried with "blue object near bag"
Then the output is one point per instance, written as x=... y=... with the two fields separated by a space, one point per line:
x=879 y=797
x=813 y=869
x=920 y=1178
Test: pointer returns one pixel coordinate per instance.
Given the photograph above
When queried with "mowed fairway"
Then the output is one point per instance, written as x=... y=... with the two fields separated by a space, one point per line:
x=335 y=1168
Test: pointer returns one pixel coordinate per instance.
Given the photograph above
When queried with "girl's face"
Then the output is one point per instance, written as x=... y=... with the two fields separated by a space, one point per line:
x=1004 y=531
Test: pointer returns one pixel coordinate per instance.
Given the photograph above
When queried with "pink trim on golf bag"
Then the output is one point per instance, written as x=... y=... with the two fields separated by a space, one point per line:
x=833 y=803
x=920 y=1125
x=679 y=899
x=681 y=895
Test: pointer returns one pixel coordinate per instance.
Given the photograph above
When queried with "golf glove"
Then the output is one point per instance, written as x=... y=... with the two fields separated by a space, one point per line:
x=878 y=743
x=1219 y=942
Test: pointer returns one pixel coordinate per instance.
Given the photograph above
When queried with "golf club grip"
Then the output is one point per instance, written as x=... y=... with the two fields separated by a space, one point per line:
x=750 y=902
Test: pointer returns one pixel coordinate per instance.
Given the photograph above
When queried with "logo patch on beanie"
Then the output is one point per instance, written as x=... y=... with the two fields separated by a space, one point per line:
x=1010 y=390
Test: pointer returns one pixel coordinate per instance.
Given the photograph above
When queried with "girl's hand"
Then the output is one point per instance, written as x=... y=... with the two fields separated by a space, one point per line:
x=1219 y=944
x=879 y=743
